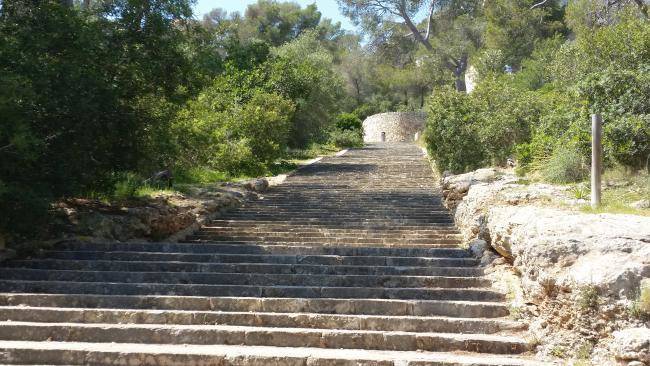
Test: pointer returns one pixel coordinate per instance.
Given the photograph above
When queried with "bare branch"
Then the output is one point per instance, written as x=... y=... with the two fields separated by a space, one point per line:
x=431 y=7
x=538 y=4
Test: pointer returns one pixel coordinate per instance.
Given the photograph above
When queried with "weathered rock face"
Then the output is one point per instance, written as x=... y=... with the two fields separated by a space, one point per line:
x=578 y=273
x=395 y=126
x=565 y=247
x=573 y=249
x=641 y=204
x=153 y=219
x=632 y=344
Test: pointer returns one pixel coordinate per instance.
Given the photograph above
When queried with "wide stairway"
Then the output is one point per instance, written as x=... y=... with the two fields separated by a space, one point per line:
x=352 y=261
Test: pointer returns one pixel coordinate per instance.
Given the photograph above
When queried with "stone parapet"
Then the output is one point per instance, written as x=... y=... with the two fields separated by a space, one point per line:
x=393 y=126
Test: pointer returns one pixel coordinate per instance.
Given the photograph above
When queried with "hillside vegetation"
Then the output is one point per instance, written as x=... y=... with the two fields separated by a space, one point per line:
x=96 y=96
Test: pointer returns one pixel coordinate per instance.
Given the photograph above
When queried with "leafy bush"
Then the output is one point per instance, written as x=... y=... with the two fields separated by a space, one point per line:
x=642 y=303
x=349 y=121
x=627 y=141
x=346 y=138
x=505 y=116
x=617 y=92
x=302 y=71
x=217 y=131
x=126 y=185
x=81 y=95
x=565 y=165
x=236 y=157
x=450 y=135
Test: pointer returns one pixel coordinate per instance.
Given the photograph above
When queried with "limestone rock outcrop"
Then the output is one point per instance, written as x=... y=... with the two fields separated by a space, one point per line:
x=524 y=224
x=160 y=217
x=632 y=345
x=579 y=274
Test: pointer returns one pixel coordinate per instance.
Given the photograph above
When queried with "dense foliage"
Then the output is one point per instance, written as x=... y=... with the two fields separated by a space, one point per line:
x=85 y=95
x=96 y=96
x=540 y=114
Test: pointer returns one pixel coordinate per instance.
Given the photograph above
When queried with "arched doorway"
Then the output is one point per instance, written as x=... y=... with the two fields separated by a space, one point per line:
x=383 y=137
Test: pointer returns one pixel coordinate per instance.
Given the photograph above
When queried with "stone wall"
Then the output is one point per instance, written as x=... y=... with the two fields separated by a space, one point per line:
x=397 y=126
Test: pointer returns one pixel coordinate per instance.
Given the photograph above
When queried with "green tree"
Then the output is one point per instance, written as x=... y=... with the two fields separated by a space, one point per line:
x=514 y=26
x=303 y=72
x=380 y=20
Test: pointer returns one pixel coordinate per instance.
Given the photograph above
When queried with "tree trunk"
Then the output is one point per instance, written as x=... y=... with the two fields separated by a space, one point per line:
x=460 y=84
x=459 y=73
x=422 y=91
x=357 y=89
x=416 y=33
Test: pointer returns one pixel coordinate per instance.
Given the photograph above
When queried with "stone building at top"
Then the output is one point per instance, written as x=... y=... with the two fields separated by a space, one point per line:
x=393 y=127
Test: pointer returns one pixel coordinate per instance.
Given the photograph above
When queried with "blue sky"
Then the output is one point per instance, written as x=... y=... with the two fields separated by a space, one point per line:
x=329 y=8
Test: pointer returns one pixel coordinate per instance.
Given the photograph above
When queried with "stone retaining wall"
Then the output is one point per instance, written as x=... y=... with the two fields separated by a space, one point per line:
x=395 y=126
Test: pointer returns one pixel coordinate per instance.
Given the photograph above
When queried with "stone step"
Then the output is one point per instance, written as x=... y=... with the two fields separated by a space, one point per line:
x=129 y=266
x=344 y=220
x=332 y=215
x=393 y=307
x=290 y=238
x=320 y=242
x=283 y=320
x=84 y=353
x=352 y=261
x=315 y=226
x=246 y=279
x=112 y=288
x=331 y=232
x=323 y=243
x=260 y=336
x=314 y=231
x=323 y=201
x=358 y=222
x=340 y=205
x=264 y=258
x=225 y=248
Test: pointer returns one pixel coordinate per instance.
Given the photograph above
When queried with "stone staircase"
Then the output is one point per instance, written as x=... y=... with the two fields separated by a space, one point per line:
x=353 y=261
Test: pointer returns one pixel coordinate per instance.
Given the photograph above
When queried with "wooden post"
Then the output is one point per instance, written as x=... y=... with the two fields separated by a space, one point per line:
x=596 y=158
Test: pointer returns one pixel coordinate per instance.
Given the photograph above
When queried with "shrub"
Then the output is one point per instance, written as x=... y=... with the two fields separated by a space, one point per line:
x=450 y=135
x=565 y=165
x=346 y=138
x=236 y=157
x=349 y=121
x=505 y=116
x=236 y=135
x=126 y=185
x=365 y=110
x=265 y=121
x=303 y=72
x=627 y=141
x=588 y=297
x=640 y=307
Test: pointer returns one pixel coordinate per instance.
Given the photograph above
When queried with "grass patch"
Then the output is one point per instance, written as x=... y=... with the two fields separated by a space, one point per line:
x=559 y=352
x=200 y=175
x=620 y=189
x=583 y=352
x=128 y=185
x=314 y=150
x=640 y=307
x=588 y=297
x=148 y=192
